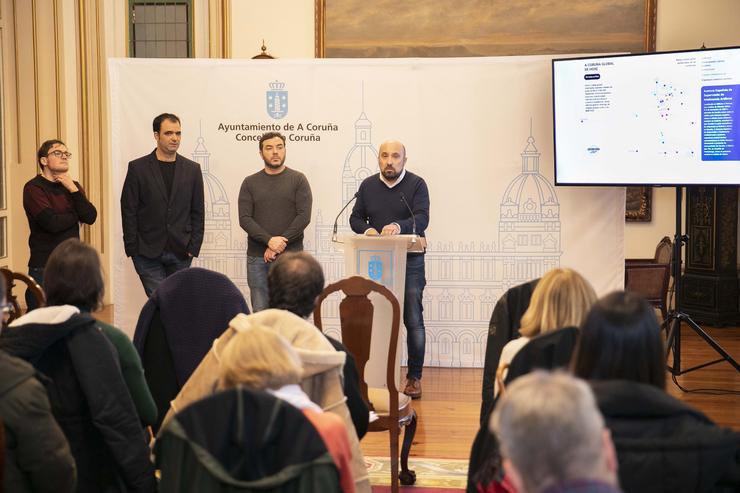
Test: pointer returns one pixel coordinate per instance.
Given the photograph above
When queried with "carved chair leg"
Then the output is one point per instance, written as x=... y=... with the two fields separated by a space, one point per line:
x=394 y=433
x=407 y=476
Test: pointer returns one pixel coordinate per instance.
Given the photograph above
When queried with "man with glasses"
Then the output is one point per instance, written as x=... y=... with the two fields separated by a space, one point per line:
x=162 y=207
x=55 y=205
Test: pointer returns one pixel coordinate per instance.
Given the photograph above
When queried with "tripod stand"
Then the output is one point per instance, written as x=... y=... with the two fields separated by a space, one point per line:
x=676 y=316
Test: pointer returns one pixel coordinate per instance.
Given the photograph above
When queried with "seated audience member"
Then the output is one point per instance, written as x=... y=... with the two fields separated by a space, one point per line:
x=561 y=299
x=662 y=444
x=76 y=278
x=178 y=325
x=294 y=282
x=37 y=456
x=553 y=438
x=259 y=359
x=321 y=378
x=503 y=327
x=88 y=395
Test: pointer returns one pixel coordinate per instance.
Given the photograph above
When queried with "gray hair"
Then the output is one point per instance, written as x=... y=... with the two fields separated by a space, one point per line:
x=550 y=429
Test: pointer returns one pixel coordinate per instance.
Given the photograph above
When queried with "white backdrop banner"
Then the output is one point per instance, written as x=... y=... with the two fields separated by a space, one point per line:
x=479 y=130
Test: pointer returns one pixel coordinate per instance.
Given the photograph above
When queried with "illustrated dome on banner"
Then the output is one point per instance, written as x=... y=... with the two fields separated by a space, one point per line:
x=217 y=206
x=530 y=197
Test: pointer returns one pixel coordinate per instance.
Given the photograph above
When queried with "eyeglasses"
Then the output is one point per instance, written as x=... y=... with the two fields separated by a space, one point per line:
x=60 y=154
x=7 y=309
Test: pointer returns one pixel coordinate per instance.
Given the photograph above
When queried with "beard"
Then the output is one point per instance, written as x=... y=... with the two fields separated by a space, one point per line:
x=390 y=174
x=270 y=165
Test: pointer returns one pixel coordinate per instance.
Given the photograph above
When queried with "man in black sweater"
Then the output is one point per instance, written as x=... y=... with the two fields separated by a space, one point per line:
x=385 y=202
x=55 y=206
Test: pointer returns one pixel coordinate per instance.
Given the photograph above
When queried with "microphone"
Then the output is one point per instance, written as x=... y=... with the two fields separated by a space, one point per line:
x=413 y=217
x=336 y=220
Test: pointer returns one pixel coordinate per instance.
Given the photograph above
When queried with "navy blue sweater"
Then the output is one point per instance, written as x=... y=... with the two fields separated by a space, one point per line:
x=377 y=205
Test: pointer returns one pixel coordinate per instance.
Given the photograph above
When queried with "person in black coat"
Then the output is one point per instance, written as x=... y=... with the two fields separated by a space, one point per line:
x=662 y=444
x=294 y=282
x=162 y=207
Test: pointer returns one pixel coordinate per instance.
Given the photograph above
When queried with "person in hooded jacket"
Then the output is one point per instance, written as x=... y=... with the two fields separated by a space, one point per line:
x=31 y=465
x=662 y=443
x=88 y=394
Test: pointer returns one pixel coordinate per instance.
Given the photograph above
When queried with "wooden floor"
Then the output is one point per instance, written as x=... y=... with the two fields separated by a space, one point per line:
x=450 y=406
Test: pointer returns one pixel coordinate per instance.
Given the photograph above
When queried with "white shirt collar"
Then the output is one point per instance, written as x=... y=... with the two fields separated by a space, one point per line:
x=393 y=184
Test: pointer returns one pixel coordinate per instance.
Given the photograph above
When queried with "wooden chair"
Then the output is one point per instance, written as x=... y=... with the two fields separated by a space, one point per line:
x=393 y=408
x=651 y=277
x=36 y=291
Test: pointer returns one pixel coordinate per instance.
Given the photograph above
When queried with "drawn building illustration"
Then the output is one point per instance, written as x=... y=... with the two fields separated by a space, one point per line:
x=464 y=279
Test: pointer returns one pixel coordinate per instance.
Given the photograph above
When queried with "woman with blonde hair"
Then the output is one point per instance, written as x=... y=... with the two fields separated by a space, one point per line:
x=260 y=359
x=561 y=299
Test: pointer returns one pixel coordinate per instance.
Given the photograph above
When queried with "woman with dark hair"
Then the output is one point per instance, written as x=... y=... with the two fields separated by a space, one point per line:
x=86 y=389
x=662 y=444
x=75 y=277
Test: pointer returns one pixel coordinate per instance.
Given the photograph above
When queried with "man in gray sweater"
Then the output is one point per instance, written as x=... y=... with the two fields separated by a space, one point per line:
x=274 y=209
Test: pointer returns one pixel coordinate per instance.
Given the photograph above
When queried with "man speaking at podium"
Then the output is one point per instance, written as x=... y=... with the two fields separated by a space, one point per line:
x=396 y=201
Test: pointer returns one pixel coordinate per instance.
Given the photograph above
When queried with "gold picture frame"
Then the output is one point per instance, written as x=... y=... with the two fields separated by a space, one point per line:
x=440 y=28
x=638 y=204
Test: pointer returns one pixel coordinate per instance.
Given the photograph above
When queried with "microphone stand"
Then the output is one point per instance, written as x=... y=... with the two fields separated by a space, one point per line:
x=336 y=220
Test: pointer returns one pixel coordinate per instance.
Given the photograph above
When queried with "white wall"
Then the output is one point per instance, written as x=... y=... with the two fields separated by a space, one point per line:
x=287 y=26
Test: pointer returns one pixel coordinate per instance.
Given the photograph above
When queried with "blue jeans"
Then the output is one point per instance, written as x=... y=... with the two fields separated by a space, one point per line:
x=152 y=271
x=257 y=270
x=37 y=273
x=413 y=317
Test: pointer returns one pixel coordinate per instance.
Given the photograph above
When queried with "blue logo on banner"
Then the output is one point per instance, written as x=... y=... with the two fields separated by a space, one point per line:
x=375 y=268
x=277 y=100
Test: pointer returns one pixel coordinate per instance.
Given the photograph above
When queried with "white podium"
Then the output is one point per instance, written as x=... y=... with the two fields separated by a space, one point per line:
x=383 y=260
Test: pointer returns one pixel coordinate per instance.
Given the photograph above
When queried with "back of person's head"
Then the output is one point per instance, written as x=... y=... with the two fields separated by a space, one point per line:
x=73 y=276
x=259 y=359
x=551 y=431
x=561 y=299
x=620 y=339
x=294 y=282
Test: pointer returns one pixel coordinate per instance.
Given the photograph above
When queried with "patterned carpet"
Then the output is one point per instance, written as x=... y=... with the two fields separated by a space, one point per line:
x=432 y=475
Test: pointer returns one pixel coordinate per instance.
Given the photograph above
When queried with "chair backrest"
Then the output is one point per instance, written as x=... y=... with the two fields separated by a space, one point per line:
x=356 y=320
x=650 y=280
x=664 y=251
x=31 y=285
x=547 y=351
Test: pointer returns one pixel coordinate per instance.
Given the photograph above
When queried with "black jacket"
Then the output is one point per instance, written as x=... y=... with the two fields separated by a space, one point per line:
x=663 y=445
x=31 y=464
x=243 y=441
x=351 y=385
x=504 y=326
x=151 y=220
x=88 y=397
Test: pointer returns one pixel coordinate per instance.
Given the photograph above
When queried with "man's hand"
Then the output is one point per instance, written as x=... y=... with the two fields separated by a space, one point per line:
x=67 y=182
x=270 y=255
x=390 y=229
x=277 y=244
x=371 y=232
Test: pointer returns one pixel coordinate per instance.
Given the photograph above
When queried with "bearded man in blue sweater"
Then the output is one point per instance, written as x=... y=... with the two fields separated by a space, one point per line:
x=384 y=206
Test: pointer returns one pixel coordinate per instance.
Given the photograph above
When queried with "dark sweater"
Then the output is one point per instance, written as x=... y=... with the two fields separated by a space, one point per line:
x=54 y=215
x=274 y=205
x=378 y=205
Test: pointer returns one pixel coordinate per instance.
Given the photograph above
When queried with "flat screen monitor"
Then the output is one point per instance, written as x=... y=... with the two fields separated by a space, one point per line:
x=664 y=119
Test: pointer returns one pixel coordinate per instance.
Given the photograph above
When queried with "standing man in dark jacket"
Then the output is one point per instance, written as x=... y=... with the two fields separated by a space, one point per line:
x=31 y=464
x=162 y=207
x=55 y=205
x=396 y=201
x=274 y=209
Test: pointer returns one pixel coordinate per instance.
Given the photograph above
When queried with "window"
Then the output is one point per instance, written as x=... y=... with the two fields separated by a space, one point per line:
x=160 y=28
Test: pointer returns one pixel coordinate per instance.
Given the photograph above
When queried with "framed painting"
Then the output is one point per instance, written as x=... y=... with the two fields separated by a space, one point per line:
x=440 y=28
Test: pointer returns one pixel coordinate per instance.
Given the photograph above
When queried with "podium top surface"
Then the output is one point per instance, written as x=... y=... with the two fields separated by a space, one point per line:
x=414 y=243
